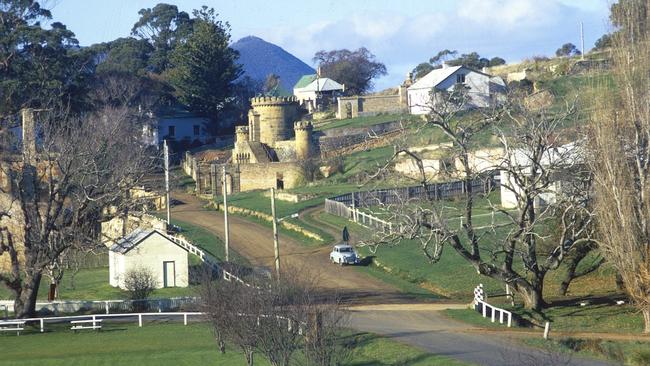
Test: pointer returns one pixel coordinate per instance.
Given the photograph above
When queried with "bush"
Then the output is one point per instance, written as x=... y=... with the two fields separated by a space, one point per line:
x=140 y=283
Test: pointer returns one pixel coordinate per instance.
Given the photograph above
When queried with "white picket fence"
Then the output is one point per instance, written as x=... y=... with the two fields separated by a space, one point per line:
x=354 y=214
x=139 y=316
x=482 y=306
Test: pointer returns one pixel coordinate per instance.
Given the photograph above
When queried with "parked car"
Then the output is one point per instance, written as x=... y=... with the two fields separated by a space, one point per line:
x=344 y=254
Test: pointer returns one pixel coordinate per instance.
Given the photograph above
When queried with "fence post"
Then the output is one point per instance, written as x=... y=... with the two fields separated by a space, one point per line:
x=185 y=319
x=493 y=314
x=106 y=305
x=484 y=308
x=140 y=320
x=42 y=328
x=509 y=319
x=547 y=329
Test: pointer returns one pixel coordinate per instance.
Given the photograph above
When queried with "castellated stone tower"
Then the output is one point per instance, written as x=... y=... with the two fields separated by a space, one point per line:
x=304 y=148
x=271 y=119
x=241 y=134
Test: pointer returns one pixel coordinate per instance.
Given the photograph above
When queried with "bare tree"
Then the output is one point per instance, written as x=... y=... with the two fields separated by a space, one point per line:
x=74 y=176
x=275 y=318
x=517 y=250
x=621 y=154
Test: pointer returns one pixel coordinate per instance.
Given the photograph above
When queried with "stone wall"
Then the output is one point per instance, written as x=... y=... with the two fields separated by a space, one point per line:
x=273 y=175
x=370 y=105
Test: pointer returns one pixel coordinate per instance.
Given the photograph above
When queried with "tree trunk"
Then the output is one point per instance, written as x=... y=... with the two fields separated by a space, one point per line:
x=532 y=294
x=646 y=319
x=25 y=303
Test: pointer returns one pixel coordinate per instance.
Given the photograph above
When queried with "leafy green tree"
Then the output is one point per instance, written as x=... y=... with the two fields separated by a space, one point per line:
x=39 y=67
x=124 y=55
x=473 y=60
x=272 y=82
x=442 y=56
x=164 y=27
x=354 y=69
x=422 y=69
x=603 y=42
x=496 y=61
x=568 y=49
x=203 y=68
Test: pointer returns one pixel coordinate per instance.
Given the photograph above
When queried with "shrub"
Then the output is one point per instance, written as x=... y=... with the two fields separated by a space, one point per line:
x=140 y=283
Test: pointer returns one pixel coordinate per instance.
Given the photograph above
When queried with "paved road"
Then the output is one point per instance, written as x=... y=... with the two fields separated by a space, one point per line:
x=428 y=329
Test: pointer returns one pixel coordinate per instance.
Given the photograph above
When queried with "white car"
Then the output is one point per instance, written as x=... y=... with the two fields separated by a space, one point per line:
x=344 y=254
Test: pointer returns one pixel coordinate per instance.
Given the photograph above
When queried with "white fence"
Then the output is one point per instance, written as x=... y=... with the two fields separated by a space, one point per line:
x=486 y=309
x=107 y=306
x=139 y=316
x=354 y=214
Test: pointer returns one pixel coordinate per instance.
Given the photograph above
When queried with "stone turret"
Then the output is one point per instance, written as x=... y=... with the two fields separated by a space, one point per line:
x=241 y=133
x=271 y=119
x=303 y=131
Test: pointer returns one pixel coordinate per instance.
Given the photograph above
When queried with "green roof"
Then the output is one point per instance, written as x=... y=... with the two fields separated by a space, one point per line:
x=304 y=81
x=278 y=91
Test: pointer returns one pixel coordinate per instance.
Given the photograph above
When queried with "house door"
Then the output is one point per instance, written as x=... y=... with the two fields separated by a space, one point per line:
x=169 y=274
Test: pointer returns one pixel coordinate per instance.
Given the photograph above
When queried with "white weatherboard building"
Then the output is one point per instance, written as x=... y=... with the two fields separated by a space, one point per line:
x=482 y=88
x=152 y=250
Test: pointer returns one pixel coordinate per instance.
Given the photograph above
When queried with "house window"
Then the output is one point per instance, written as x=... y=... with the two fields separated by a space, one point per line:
x=460 y=78
x=197 y=130
x=171 y=131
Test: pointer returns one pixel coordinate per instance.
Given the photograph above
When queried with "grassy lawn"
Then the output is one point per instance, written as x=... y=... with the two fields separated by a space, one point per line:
x=92 y=283
x=624 y=352
x=362 y=121
x=174 y=344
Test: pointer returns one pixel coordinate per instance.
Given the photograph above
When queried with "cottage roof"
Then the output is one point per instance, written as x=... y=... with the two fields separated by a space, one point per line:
x=133 y=239
x=435 y=77
x=322 y=84
x=304 y=81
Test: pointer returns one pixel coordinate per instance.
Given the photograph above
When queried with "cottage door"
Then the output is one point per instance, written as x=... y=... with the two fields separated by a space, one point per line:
x=169 y=274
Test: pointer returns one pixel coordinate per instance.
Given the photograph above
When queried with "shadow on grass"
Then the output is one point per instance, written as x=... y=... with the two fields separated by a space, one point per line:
x=367 y=260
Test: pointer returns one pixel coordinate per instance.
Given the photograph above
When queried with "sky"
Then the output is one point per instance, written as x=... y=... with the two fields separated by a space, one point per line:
x=401 y=33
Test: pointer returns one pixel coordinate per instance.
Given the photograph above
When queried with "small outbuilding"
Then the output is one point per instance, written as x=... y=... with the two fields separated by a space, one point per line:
x=152 y=250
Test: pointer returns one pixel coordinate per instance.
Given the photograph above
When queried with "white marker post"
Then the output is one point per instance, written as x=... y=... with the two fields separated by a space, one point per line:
x=275 y=235
x=225 y=214
x=166 y=153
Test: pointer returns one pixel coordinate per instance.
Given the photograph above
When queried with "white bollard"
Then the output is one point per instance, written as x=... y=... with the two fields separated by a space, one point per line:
x=547 y=329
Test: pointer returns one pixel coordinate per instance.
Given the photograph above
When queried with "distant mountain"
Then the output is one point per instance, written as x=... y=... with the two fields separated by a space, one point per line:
x=260 y=58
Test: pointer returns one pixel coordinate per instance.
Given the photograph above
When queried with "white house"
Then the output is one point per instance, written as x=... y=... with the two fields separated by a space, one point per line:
x=310 y=89
x=559 y=162
x=482 y=88
x=152 y=250
x=176 y=124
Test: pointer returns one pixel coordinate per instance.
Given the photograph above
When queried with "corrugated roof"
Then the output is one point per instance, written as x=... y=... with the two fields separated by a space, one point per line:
x=322 y=84
x=136 y=237
x=304 y=81
x=434 y=78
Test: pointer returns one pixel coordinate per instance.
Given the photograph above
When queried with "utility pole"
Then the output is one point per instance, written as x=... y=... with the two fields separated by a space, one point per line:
x=582 y=39
x=225 y=213
x=166 y=153
x=275 y=235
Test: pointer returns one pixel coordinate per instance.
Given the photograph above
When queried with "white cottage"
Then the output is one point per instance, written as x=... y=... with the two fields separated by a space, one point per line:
x=482 y=88
x=153 y=250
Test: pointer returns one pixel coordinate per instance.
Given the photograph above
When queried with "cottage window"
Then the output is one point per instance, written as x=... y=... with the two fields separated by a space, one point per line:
x=171 y=131
x=460 y=78
x=197 y=130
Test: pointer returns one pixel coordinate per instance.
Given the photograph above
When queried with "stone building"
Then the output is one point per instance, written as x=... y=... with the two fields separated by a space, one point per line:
x=269 y=151
x=370 y=105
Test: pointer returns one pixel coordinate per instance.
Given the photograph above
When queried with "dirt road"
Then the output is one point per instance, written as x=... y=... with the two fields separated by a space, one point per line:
x=255 y=242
